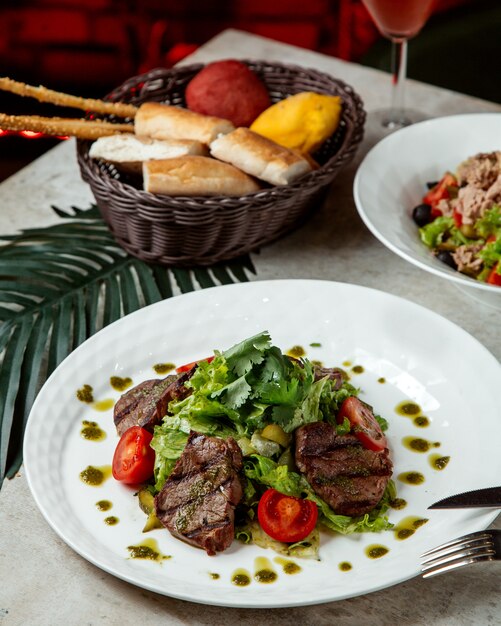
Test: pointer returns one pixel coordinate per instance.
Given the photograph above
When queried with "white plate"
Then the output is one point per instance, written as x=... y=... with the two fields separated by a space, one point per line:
x=422 y=356
x=391 y=181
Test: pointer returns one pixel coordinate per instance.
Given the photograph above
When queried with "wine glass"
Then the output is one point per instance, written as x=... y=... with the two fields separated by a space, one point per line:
x=398 y=21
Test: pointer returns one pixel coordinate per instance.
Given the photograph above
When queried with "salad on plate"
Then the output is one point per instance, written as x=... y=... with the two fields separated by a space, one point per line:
x=459 y=218
x=255 y=445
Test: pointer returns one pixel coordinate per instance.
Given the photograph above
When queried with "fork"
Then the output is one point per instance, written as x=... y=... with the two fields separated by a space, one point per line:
x=483 y=545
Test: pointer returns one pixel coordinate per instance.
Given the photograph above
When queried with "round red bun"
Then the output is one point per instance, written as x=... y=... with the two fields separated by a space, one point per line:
x=228 y=89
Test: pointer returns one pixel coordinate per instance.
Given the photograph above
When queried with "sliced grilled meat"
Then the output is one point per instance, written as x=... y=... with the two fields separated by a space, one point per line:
x=197 y=503
x=350 y=478
x=146 y=404
x=334 y=373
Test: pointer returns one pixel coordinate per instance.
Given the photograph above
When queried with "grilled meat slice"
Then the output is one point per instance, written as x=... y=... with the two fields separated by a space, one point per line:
x=146 y=404
x=333 y=373
x=197 y=503
x=350 y=478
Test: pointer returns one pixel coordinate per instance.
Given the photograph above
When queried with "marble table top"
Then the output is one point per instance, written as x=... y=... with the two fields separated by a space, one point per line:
x=43 y=582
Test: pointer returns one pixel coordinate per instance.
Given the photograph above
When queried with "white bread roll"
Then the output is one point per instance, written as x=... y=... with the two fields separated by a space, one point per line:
x=128 y=152
x=162 y=121
x=260 y=157
x=196 y=176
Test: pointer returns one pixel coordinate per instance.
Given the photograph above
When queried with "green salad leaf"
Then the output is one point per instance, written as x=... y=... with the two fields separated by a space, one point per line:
x=489 y=223
x=433 y=233
x=491 y=254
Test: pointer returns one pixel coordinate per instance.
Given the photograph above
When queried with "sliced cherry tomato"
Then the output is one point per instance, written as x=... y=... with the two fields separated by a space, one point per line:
x=363 y=423
x=187 y=367
x=440 y=191
x=458 y=218
x=133 y=460
x=494 y=278
x=285 y=518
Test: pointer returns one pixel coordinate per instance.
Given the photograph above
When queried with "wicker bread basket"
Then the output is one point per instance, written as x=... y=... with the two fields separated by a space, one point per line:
x=194 y=231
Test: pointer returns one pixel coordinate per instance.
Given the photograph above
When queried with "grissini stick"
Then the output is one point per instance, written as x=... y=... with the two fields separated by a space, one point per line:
x=60 y=126
x=42 y=94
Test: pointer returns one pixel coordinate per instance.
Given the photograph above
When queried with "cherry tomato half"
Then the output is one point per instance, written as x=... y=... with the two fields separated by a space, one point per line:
x=494 y=278
x=187 y=367
x=363 y=424
x=440 y=191
x=133 y=460
x=285 y=518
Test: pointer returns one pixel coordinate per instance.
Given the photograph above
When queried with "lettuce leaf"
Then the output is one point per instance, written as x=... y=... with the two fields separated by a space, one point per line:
x=168 y=444
x=490 y=222
x=433 y=233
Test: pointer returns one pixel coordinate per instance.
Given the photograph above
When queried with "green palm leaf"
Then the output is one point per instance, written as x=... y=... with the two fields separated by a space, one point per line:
x=58 y=286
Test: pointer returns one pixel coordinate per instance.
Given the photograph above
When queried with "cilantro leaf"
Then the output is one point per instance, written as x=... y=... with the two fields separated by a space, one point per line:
x=234 y=394
x=241 y=357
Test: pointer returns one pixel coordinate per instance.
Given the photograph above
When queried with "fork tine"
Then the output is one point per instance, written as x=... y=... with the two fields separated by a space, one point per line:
x=459 y=541
x=458 y=552
x=434 y=570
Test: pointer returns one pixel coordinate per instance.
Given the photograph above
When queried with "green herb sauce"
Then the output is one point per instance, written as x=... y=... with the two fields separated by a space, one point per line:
x=411 y=478
x=95 y=476
x=84 y=394
x=263 y=571
x=408 y=526
x=408 y=409
x=148 y=549
x=120 y=384
x=296 y=351
x=416 y=444
x=421 y=421
x=164 y=368
x=376 y=551
x=103 y=405
x=91 y=431
x=289 y=567
x=398 y=504
x=438 y=462
x=103 y=505
x=241 y=578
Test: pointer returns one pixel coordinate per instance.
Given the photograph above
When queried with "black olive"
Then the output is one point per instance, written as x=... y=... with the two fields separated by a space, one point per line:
x=422 y=214
x=432 y=184
x=446 y=257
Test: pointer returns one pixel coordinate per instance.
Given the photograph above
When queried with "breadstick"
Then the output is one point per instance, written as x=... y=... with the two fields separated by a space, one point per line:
x=42 y=94
x=59 y=126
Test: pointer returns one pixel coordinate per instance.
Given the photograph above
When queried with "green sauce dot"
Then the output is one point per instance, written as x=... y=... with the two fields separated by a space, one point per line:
x=164 y=368
x=84 y=394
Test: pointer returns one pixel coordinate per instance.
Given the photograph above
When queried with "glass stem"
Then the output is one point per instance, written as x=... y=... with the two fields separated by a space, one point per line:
x=397 y=117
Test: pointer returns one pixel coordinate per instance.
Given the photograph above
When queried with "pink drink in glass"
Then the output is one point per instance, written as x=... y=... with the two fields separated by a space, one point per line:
x=399 y=18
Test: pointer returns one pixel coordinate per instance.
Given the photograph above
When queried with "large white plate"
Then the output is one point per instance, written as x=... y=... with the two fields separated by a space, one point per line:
x=391 y=181
x=422 y=356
